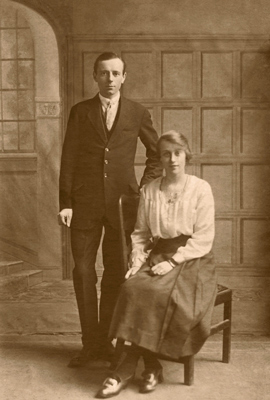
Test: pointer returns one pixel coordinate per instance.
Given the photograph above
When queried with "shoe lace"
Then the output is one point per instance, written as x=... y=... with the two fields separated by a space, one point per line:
x=110 y=382
x=149 y=376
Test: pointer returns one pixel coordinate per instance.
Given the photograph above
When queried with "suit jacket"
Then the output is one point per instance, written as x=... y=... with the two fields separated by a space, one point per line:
x=95 y=171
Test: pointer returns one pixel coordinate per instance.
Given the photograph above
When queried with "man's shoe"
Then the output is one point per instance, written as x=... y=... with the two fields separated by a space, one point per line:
x=111 y=387
x=151 y=378
x=82 y=358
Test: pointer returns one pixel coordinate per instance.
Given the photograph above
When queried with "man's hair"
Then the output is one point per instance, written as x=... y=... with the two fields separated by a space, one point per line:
x=108 y=56
x=175 y=138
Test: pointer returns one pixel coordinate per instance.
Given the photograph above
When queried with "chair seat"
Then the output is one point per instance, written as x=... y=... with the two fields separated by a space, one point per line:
x=221 y=288
x=224 y=295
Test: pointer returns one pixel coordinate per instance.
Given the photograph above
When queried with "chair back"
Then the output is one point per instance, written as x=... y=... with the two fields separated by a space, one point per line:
x=128 y=207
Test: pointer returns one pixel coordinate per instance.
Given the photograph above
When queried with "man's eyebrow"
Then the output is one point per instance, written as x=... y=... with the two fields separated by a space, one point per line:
x=107 y=70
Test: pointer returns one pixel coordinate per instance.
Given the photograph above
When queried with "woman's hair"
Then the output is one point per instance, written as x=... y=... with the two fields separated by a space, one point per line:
x=175 y=138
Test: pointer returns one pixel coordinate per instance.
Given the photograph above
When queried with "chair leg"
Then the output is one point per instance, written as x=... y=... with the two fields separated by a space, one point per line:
x=226 y=350
x=189 y=370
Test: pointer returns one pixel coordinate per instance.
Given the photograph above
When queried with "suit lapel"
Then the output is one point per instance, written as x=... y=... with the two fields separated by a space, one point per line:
x=96 y=119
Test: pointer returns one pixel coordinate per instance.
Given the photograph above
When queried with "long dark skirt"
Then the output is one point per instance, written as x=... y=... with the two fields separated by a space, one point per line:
x=170 y=314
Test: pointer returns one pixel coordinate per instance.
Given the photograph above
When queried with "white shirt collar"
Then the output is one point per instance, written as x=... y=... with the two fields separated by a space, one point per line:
x=113 y=101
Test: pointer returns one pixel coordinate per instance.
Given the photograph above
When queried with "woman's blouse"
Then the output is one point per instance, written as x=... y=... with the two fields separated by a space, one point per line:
x=191 y=212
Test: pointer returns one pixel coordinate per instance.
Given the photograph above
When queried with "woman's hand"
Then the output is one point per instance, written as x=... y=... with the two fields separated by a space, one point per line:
x=161 y=268
x=132 y=271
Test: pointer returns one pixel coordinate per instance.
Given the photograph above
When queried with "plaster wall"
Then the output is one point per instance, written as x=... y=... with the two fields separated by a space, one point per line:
x=171 y=17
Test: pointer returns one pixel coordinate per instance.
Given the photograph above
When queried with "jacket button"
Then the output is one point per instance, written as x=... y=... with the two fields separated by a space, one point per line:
x=106 y=161
x=105 y=175
x=106 y=149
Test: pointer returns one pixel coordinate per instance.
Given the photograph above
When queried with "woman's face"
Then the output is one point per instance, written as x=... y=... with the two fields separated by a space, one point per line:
x=173 y=158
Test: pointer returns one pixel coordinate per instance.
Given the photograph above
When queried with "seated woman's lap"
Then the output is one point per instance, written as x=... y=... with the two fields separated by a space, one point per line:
x=147 y=286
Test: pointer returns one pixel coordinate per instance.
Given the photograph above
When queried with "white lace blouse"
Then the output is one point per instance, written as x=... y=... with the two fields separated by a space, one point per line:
x=191 y=212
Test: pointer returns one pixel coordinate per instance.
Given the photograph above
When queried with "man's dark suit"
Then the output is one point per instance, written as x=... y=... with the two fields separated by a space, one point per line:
x=95 y=171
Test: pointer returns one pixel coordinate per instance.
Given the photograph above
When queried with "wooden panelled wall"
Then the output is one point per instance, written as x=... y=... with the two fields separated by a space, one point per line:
x=216 y=91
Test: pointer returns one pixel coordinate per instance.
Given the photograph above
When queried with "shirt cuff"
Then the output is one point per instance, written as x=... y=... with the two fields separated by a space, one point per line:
x=138 y=258
x=178 y=258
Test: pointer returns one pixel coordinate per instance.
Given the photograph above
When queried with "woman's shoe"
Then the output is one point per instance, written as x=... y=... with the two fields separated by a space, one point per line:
x=112 y=386
x=150 y=380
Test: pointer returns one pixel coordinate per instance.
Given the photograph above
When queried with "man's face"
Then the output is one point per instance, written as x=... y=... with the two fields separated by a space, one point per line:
x=110 y=77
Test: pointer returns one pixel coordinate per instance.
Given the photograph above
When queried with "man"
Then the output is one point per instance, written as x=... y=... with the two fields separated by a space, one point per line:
x=97 y=166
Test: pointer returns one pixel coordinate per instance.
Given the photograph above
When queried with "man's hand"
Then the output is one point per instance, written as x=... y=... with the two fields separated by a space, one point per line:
x=65 y=216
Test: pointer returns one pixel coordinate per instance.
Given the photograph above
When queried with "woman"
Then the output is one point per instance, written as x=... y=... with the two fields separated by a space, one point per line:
x=166 y=304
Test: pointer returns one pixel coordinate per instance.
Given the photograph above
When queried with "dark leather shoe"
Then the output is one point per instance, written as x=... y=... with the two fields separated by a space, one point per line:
x=82 y=358
x=151 y=378
x=111 y=387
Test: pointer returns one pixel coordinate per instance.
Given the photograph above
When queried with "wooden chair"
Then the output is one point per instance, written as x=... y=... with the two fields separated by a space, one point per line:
x=128 y=206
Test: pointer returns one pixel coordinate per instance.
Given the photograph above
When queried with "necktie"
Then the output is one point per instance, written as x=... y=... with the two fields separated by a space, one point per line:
x=109 y=116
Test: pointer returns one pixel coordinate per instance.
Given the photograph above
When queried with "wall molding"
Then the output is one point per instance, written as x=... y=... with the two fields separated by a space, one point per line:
x=141 y=37
x=258 y=295
x=243 y=271
x=48 y=109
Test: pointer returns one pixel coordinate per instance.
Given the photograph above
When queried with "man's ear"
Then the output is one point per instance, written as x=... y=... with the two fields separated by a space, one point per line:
x=95 y=76
x=124 y=77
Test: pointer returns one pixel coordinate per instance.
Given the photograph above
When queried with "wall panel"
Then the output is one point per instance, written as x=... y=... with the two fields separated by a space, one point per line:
x=220 y=178
x=255 y=137
x=255 y=190
x=178 y=119
x=217 y=130
x=223 y=242
x=256 y=75
x=254 y=242
x=177 y=75
x=217 y=75
x=140 y=72
x=89 y=86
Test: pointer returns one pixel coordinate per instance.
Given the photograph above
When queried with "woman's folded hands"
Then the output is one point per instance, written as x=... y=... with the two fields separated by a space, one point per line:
x=161 y=268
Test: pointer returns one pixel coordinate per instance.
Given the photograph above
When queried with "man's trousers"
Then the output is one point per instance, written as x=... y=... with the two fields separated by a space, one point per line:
x=84 y=244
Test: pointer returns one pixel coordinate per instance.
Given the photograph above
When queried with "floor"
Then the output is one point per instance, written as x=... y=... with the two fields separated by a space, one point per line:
x=34 y=367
